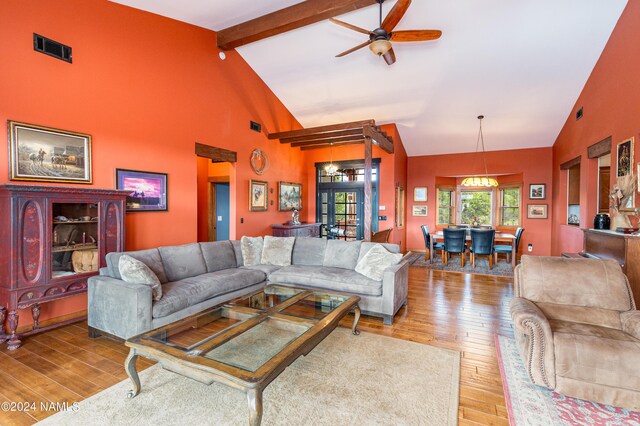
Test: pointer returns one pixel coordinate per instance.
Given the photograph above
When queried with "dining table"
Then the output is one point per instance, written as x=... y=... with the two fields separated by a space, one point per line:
x=501 y=237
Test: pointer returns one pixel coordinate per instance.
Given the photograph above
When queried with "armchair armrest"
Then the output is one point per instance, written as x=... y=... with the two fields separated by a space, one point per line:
x=117 y=307
x=631 y=323
x=395 y=289
x=535 y=341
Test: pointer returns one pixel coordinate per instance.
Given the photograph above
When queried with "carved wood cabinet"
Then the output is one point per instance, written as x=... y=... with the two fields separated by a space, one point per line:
x=52 y=239
x=302 y=230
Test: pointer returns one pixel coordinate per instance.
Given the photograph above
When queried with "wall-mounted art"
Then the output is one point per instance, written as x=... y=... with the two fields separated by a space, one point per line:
x=259 y=161
x=537 y=191
x=258 y=195
x=148 y=190
x=625 y=157
x=537 y=211
x=39 y=153
x=420 y=210
x=289 y=196
x=420 y=194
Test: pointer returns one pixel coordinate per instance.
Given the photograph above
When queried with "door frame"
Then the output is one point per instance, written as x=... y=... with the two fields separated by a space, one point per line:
x=211 y=205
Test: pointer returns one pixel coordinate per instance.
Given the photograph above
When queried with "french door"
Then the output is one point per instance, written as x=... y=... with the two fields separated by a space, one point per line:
x=343 y=209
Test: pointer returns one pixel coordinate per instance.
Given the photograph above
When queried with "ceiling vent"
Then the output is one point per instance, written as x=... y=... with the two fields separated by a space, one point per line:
x=579 y=114
x=51 y=47
x=256 y=127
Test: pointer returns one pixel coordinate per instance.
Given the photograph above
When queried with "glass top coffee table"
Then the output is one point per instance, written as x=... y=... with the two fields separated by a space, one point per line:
x=247 y=342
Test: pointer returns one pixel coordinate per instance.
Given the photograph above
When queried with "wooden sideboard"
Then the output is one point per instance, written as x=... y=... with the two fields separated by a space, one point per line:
x=302 y=230
x=625 y=249
x=52 y=240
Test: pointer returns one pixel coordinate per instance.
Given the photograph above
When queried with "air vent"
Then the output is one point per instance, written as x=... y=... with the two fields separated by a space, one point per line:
x=256 y=127
x=52 y=48
x=579 y=114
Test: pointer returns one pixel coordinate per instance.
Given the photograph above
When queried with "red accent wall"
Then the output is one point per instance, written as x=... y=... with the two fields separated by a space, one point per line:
x=146 y=88
x=611 y=102
x=531 y=166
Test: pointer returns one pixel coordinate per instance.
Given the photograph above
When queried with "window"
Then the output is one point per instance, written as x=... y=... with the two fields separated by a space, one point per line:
x=476 y=207
x=509 y=206
x=446 y=206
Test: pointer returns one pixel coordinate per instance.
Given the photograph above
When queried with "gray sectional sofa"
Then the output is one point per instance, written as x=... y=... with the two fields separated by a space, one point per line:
x=198 y=276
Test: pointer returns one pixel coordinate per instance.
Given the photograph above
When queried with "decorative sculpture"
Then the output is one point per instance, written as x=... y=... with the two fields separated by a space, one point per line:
x=622 y=197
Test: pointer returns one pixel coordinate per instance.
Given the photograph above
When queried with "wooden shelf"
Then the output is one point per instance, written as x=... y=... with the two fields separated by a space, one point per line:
x=72 y=222
x=74 y=247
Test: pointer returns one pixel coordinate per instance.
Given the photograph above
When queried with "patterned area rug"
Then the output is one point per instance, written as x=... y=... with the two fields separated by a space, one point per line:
x=503 y=268
x=532 y=405
x=359 y=380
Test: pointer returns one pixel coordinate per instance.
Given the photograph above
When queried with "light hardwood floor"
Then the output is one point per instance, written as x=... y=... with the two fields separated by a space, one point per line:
x=449 y=310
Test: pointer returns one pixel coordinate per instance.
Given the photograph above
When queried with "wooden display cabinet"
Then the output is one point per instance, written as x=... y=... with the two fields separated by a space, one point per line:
x=52 y=240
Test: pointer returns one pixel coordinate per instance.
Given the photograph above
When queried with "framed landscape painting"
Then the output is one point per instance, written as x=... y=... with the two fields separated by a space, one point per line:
x=420 y=194
x=258 y=195
x=39 y=153
x=537 y=211
x=537 y=191
x=289 y=196
x=420 y=210
x=625 y=158
x=148 y=190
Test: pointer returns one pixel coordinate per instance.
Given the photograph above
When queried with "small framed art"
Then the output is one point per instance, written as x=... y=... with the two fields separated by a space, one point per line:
x=537 y=191
x=420 y=194
x=624 y=160
x=289 y=196
x=258 y=195
x=420 y=210
x=148 y=190
x=537 y=211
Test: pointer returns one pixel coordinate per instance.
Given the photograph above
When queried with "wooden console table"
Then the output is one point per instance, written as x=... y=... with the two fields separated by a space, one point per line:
x=302 y=230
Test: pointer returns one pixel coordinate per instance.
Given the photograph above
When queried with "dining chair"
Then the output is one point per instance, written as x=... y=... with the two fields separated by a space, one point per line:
x=427 y=240
x=381 y=236
x=454 y=242
x=506 y=249
x=482 y=244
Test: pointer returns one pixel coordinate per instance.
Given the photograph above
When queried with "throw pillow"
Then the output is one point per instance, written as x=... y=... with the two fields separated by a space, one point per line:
x=373 y=264
x=277 y=250
x=135 y=272
x=251 y=248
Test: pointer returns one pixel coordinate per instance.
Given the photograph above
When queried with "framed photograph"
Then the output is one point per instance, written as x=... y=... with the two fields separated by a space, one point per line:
x=39 y=153
x=537 y=191
x=289 y=196
x=258 y=195
x=420 y=194
x=420 y=210
x=148 y=190
x=624 y=160
x=537 y=211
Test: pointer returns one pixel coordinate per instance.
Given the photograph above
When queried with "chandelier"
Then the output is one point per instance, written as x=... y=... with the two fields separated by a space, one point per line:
x=331 y=169
x=485 y=181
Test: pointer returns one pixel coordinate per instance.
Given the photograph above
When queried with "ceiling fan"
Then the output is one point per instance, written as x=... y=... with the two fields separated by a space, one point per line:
x=380 y=39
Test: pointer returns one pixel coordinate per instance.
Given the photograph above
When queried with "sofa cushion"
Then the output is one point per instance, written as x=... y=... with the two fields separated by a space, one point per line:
x=251 y=250
x=267 y=269
x=135 y=272
x=377 y=259
x=181 y=294
x=218 y=255
x=277 y=250
x=328 y=278
x=342 y=254
x=366 y=246
x=309 y=251
x=596 y=354
x=183 y=261
x=150 y=257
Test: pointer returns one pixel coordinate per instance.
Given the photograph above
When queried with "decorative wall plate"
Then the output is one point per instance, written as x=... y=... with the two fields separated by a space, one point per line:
x=259 y=161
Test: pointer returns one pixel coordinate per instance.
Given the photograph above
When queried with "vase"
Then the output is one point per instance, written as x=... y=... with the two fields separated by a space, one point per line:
x=619 y=220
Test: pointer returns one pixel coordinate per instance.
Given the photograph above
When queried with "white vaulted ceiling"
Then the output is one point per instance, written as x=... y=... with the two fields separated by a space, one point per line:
x=520 y=63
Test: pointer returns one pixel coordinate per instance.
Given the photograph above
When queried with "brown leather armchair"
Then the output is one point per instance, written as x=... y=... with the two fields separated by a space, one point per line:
x=577 y=329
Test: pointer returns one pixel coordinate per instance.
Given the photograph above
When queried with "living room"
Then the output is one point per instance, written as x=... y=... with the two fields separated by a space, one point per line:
x=148 y=88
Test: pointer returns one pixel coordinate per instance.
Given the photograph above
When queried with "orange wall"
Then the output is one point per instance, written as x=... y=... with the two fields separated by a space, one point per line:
x=534 y=165
x=146 y=88
x=611 y=101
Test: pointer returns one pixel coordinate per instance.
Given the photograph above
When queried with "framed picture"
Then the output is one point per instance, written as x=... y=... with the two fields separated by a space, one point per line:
x=39 y=153
x=148 y=190
x=537 y=211
x=258 y=195
x=289 y=196
x=537 y=191
x=420 y=194
x=420 y=210
x=625 y=158
x=400 y=206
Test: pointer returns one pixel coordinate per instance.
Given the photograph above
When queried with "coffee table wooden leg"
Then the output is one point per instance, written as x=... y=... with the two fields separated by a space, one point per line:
x=254 y=398
x=356 y=318
x=130 y=368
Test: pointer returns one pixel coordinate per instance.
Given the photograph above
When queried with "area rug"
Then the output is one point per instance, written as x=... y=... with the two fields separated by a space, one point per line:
x=346 y=379
x=502 y=268
x=533 y=405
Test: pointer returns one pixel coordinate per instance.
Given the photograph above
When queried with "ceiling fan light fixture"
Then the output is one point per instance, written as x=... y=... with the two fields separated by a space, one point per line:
x=380 y=47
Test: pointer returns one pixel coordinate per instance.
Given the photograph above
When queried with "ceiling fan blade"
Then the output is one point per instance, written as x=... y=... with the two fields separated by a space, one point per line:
x=395 y=15
x=351 y=27
x=390 y=57
x=353 y=49
x=415 y=35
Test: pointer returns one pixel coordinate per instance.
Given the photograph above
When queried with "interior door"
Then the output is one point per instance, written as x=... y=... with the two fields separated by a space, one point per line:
x=343 y=209
x=222 y=211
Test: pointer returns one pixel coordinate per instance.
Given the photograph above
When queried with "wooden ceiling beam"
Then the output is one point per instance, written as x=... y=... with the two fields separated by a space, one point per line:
x=336 y=145
x=287 y=19
x=321 y=129
x=323 y=136
x=335 y=141
x=384 y=142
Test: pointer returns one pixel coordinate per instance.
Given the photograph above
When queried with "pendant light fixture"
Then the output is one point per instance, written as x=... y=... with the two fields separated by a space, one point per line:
x=485 y=181
x=331 y=169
